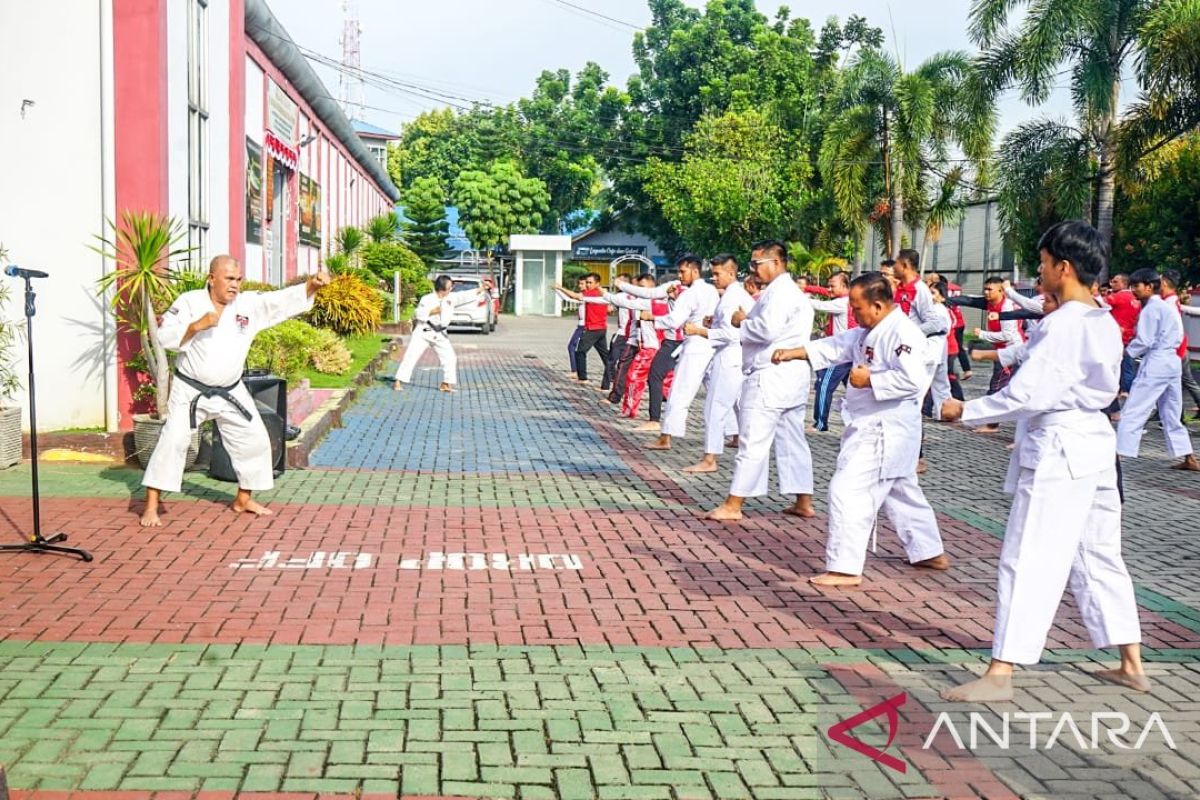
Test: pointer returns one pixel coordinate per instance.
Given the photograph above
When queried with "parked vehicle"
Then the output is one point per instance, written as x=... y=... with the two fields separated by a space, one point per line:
x=479 y=314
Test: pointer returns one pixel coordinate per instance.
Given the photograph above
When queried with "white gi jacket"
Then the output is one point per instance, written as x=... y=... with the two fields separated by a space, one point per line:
x=698 y=300
x=217 y=356
x=781 y=318
x=1159 y=334
x=726 y=340
x=1070 y=371
x=896 y=352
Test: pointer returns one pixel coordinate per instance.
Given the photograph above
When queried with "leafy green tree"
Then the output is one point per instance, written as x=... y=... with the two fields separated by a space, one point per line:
x=386 y=258
x=1158 y=221
x=425 y=227
x=741 y=179
x=382 y=228
x=494 y=204
x=894 y=130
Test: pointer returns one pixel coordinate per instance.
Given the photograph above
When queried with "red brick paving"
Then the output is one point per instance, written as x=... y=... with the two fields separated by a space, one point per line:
x=657 y=578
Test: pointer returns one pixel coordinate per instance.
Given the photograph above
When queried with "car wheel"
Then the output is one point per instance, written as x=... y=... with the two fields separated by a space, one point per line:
x=485 y=329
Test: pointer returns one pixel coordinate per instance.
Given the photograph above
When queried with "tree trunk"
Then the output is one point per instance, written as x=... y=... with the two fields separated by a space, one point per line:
x=1106 y=188
x=156 y=359
x=897 y=203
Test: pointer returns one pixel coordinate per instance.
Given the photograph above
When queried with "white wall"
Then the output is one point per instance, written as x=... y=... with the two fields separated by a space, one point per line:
x=255 y=125
x=52 y=203
x=177 y=111
x=218 y=128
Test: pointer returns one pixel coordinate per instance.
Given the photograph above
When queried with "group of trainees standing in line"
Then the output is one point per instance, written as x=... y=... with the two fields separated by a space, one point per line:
x=890 y=342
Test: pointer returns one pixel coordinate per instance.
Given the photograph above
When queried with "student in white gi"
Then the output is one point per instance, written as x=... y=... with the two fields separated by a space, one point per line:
x=1065 y=522
x=692 y=358
x=212 y=330
x=725 y=372
x=431 y=319
x=1157 y=384
x=877 y=464
x=771 y=408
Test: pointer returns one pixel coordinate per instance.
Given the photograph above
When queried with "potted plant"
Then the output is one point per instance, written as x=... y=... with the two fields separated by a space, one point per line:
x=143 y=247
x=10 y=414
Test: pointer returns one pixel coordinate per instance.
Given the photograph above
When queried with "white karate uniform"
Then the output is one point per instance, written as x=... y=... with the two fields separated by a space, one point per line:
x=1065 y=522
x=429 y=331
x=725 y=373
x=771 y=408
x=1157 y=383
x=877 y=463
x=217 y=357
x=838 y=310
x=1036 y=304
x=934 y=322
x=697 y=301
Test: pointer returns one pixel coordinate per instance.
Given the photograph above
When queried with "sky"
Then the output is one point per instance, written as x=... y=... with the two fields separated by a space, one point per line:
x=492 y=50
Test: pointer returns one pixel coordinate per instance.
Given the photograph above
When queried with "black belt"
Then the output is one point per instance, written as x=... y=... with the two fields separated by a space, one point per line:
x=205 y=390
x=936 y=333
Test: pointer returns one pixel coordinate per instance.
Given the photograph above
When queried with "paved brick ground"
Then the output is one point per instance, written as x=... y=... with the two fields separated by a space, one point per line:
x=501 y=594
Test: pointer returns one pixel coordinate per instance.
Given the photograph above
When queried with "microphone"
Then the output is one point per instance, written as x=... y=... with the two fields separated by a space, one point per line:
x=18 y=272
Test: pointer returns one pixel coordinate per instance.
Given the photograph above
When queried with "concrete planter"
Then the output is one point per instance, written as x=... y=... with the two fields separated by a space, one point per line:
x=10 y=436
x=146 y=430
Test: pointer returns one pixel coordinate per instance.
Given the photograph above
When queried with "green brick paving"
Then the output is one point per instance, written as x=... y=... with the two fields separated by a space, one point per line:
x=479 y=720
x=355 y=488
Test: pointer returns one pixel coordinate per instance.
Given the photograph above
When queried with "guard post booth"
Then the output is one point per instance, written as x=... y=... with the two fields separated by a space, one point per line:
x=538 y=267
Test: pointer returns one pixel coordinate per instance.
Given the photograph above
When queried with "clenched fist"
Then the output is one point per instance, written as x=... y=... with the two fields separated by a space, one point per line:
x=860 y=376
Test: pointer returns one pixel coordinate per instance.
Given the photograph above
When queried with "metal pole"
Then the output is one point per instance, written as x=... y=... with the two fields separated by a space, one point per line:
x=396 y=296
x=30 y=310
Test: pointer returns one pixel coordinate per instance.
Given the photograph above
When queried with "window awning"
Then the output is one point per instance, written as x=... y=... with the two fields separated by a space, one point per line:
x=282 y=153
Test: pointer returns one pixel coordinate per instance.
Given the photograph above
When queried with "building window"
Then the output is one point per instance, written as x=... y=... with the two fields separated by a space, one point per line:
x=198 y=155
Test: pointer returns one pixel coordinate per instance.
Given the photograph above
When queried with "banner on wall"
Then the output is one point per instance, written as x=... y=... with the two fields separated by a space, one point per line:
x=310 y=211
x=254 y=192
x=281 y=114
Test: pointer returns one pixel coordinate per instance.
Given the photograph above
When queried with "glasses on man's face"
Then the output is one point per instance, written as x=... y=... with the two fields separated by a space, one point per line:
x=755 y=263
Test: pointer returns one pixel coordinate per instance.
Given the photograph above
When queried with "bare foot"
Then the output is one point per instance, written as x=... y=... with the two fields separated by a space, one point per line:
x=703 y=466
x=937 y=562
x=251 y=507
x=921 y=466
x=800 y=511
x=652 y=426
x=988 y=689
x=724 y=513
x=150 y=519
x=732 y=442
x=397 y=387
x=986 y=429
x=448 y=388
x=812 y=429
x=1136 y=682
x=835 y=579
x=1189 y=464
x=661 y=443
x=966 y=376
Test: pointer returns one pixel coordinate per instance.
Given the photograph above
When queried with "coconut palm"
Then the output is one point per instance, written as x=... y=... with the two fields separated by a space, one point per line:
x=383 y=228
x=1093 y=43
x=891 y=130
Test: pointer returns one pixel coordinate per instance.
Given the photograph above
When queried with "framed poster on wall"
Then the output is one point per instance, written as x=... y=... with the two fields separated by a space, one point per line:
x=254 y=193
x=310 y=211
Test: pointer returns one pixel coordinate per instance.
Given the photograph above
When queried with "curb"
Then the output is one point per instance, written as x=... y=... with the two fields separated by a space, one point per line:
x=329 y=415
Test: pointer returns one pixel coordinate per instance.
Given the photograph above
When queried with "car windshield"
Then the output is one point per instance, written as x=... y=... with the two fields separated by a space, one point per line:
x=465 y=286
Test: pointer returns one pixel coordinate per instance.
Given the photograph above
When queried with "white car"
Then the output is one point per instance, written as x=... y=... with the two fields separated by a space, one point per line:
x=479 y=313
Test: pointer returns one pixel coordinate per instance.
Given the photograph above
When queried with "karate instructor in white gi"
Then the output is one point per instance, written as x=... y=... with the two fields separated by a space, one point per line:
x=212 y=330
x=1064 y=527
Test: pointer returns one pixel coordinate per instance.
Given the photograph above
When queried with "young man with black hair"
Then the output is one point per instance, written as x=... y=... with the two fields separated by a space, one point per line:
x=1157 y=384
x=1065 y=522
x=725 y=374
x=916 y=300
x=877 y=463
x=686 y=357
x=430 y=322
x=774 y=394
x=595 y=331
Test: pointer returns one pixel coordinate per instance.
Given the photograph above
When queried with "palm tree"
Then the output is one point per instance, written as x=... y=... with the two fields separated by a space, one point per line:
x=1094 y=42
x=383 y=228
x=891 y=128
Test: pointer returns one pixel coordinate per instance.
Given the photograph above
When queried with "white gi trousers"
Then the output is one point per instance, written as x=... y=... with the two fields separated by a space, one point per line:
x=690 y=369
x=418 y=343
x=857 y=492
x=940 y=388
x=760 y=427
x=724 y=388
x=1062 y=529
x=1154 y=387
x=245 y=440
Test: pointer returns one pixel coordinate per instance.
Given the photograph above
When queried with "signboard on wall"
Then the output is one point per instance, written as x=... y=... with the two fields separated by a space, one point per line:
x=281 y=114
x=254 y=193
x=607 y=252
x=310 y=211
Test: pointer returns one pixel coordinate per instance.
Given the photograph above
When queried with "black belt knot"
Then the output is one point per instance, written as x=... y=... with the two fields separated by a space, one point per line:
x=224 y=392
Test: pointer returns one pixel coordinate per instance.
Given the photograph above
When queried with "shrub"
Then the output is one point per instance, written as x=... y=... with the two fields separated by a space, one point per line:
x=573 y=273
x=330 y=354
x=259 y=286
x=284 y=349
x=384 y=259
x=347 y=306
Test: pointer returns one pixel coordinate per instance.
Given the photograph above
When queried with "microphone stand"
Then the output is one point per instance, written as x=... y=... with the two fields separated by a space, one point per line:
x=36 y=543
